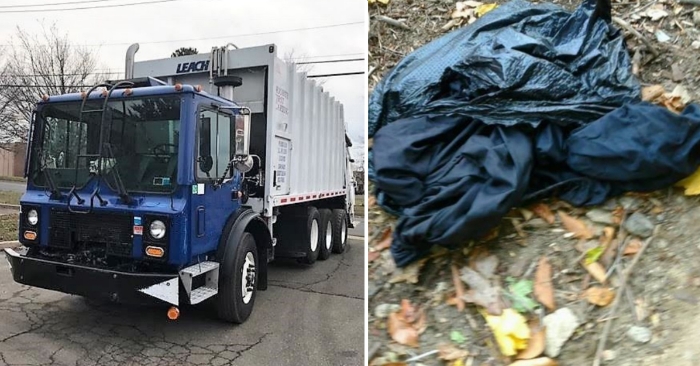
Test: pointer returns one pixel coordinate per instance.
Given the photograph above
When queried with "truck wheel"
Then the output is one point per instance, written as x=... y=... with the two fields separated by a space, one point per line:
x=339 y=223
x=325 y=234
x=311 y=242
x=237 y=287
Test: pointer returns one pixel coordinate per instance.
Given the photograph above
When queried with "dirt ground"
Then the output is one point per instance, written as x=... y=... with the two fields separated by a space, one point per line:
x=663 y=289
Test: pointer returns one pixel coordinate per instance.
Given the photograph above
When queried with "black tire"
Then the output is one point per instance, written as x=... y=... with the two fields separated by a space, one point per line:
x=230 y=304
x=339 y=223
x=325 y=234
x=307 y=237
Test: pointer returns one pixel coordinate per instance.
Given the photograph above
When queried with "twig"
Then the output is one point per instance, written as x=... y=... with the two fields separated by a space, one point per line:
x=392 y=21
x=459 y=288
x=419 y=357
x=626 y=26
x=692 y=2
x=616 y=302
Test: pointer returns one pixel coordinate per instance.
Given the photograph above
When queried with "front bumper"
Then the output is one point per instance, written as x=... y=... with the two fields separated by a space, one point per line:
x=123 y=287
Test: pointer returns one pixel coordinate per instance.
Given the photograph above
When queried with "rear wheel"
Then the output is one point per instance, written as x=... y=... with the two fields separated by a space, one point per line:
x=237 y=281
x=339 y=224
x=326 y=234
x=310 y=241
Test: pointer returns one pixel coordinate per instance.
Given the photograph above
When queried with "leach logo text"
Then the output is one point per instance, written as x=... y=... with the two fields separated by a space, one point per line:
x=192 y=67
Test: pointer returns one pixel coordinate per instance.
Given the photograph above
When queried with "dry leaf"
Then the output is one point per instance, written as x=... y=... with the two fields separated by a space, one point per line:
x=633 y=247
x=481 y=291
x=510 y=330
x=385 y=240
x=482 y=262
x=372 y=256
x=691 y=184
x=485 y=8
x=576 y=226
x=542 y=361
x=596 y=270
x=459 y=288
x=527 y=214
x=536 y=345
x=401 y=331
x=600 y=296
x=371 y=201
x=652 y=92
x=544 y=291
x=543 y=211
x=448 y=352
x=518 y=228
x=409 y=273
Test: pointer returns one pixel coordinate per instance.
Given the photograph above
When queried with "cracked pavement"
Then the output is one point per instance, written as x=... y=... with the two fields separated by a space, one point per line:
x=310 y=315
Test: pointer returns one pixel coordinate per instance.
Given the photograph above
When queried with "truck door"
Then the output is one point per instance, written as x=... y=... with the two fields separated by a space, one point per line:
x=211 y=207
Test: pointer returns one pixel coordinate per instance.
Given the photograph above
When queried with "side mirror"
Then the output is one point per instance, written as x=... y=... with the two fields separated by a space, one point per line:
x=242 y=132
x=206 y=163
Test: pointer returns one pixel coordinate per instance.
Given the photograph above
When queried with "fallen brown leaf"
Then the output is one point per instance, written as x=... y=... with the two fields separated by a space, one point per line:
x=408 y=311
x=409 y=273
x=601 y=296
x=536 y=344
x=652 y=92
x=448 y=352
x=459 y=288
x=384 y=240
x=542 y=361
x=527 y=214
x=371 y=201
x=481 y=291
x=543 y=211
x=576 y=226
x=518 y=227
x=633 y=247
x=544 y=291
x=596 y=270
x=401 y=331
x=372 y=256
x=483 y=262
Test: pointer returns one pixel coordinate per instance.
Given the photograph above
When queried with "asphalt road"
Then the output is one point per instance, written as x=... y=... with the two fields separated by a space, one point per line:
x=12 y=186
x=308 y=316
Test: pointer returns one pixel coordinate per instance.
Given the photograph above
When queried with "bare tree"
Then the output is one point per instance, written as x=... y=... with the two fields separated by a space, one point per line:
x=289 y=57
x=39 y=64
x=184 y=51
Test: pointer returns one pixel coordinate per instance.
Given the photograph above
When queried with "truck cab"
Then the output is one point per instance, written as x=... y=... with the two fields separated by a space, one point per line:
x=149 y=190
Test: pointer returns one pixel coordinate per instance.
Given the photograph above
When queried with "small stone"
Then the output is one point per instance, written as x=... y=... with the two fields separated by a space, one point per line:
x=372 y=289
x=661 y=243
x=639 y=334
x=560 y=324
x=382 y=311
x=608 y=355
x=639 y=225
x=600 y=216
x=695 y=45
x=677 y=74
x=696 y=17
x=629 y=203
x=661 y=36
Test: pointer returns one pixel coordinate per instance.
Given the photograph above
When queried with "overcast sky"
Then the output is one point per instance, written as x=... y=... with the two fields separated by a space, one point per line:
x=109 y=31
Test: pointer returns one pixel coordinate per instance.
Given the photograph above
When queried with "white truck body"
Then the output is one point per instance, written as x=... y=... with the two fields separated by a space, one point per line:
x=306 y=155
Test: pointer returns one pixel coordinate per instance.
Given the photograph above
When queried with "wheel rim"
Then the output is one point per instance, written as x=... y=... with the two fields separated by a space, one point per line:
x=329 y=236
x=248 y=277
x=314 y=235
x=343 y=231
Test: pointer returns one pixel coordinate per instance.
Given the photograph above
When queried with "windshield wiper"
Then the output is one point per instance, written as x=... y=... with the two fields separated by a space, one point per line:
x=121 y=189
x=55 y=192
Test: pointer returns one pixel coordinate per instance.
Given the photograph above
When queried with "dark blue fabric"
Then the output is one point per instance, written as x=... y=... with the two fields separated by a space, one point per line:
x=528 y=102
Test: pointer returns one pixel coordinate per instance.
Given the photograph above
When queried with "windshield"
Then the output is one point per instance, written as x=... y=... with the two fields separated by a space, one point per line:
x=139 y=139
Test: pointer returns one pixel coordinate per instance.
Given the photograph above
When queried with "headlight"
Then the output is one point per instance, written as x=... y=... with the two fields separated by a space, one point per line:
x=157 y=229
x=32 y=217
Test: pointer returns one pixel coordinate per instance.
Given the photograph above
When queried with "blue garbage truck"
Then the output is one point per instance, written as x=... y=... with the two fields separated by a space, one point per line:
x=180 y=183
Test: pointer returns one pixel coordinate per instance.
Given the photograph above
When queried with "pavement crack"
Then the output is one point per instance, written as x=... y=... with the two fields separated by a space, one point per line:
x=249 y=347
x=305 y=289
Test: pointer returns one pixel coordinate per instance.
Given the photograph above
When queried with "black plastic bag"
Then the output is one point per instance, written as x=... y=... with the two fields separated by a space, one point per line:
x=529 y=101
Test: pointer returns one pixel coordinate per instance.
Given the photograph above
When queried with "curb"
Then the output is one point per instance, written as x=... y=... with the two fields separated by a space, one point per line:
x=9 y=244
x=9 y=206
x=354 y=237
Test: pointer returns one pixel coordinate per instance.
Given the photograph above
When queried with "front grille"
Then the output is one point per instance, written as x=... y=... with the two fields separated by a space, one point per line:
x=113 y=232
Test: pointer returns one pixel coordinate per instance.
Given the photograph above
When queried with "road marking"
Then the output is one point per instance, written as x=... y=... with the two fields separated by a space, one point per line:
x=354 y=237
